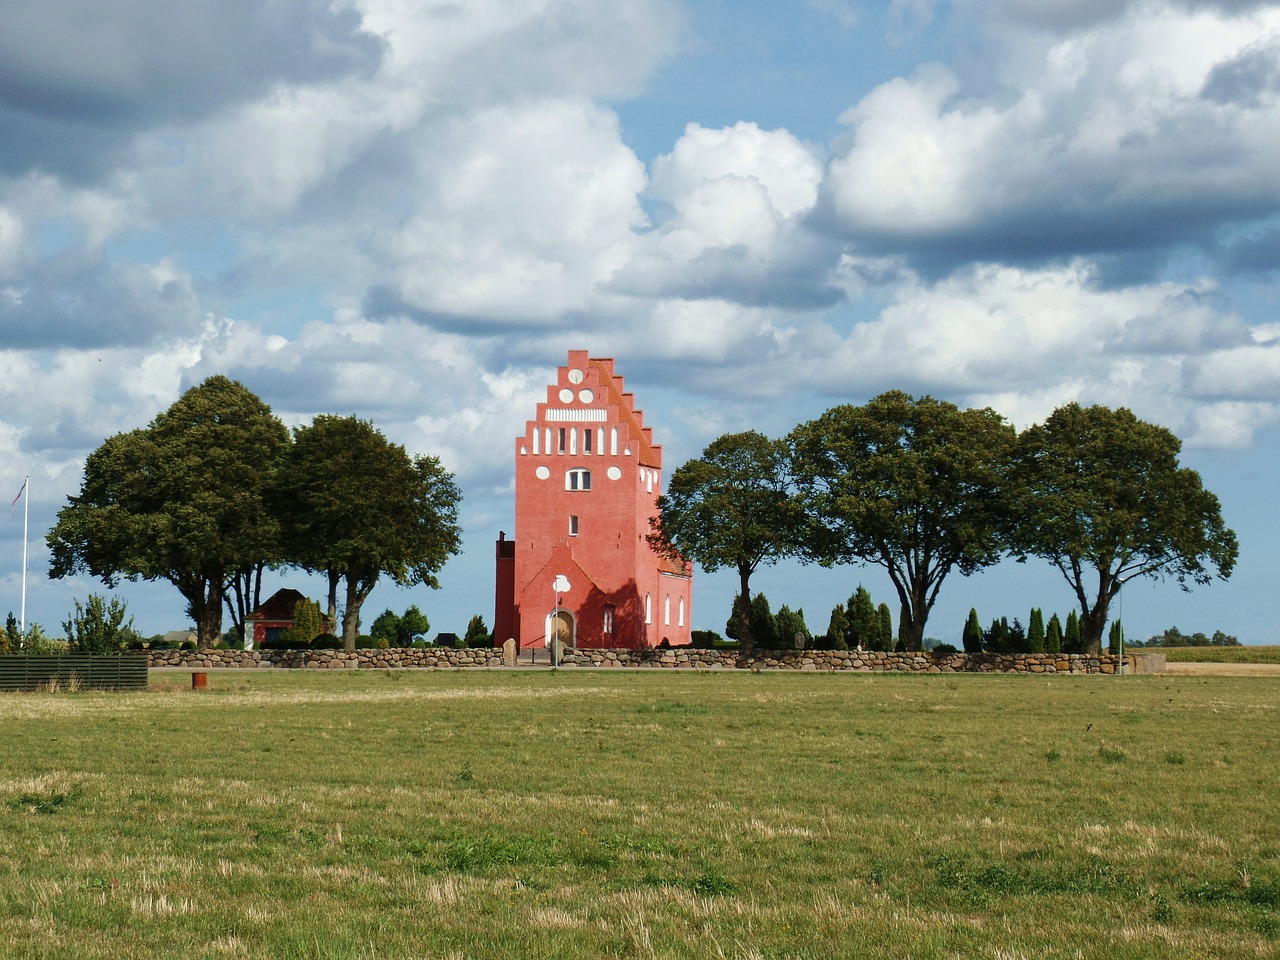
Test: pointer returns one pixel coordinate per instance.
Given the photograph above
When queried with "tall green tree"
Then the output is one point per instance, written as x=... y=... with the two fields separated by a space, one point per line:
x=1053 y=635
x=864 y=625
x=838 y=628
x=913 y=486
x=884 y=639
x=732 y=507
x=1035 y=631
x=476 y=631
x=307 y=621
x=793 y=633
x=972 y=635
x=1115 y=639
x=764 y=626
x=1102 y=497
x=356 y=507
x=182 y=500
x=1072 y=636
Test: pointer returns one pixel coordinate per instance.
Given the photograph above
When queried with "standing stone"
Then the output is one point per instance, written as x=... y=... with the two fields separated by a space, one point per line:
x=509 y=652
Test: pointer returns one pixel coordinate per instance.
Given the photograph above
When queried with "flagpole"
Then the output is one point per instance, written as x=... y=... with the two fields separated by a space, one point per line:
x=26 y=509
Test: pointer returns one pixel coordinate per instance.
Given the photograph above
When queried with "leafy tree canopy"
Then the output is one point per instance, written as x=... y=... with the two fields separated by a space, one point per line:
x=357 y=506
x=914 y=486
x=732 y=507
x=1101 y=496
x=182 y=500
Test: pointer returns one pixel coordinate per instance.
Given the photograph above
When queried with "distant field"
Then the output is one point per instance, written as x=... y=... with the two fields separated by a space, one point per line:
x=643 y=814
x=1220 y=654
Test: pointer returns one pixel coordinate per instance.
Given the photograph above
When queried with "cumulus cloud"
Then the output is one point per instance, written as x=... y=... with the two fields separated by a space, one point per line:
x=736 y=200
x=112 y=69
x=1027 y=340
x=1156 y=132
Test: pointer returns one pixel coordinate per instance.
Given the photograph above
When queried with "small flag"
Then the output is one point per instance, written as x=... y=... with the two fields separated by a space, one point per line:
x=14 y=505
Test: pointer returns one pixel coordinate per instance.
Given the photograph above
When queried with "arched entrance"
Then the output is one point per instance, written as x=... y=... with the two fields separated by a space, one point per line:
x=564 y=628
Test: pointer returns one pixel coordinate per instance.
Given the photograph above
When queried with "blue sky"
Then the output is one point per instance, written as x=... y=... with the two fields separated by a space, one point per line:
x=411 y=211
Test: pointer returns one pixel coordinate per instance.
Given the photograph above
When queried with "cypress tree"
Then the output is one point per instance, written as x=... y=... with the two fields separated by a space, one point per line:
x=838 y=628
x=1115 y=639
x=1072 y=638
x=1035 y=631
x=972 y=636
x=307 y=621
x=1053 y=635
x=885 y=616
x=735 y=618
x=764 y=630
x=864 y=626
x=792 y=632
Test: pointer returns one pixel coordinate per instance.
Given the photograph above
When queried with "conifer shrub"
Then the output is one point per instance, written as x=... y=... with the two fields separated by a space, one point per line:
x=1035 y=631
x=972 y=635
x=1053 y=635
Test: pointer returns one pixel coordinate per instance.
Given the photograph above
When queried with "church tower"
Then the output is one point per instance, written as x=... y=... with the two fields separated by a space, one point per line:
x=588 y=477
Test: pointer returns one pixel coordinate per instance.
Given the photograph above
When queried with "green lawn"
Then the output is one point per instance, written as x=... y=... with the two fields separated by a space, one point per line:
x=643 y=814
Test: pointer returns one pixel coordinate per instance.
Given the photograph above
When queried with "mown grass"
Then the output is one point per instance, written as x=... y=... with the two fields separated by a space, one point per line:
x=1220 y=654
x=643 y=814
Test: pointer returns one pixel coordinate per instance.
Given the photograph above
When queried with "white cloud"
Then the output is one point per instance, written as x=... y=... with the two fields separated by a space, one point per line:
x=522 y=212
x=1099 y=138
x=844 y=12
x=1026 y=341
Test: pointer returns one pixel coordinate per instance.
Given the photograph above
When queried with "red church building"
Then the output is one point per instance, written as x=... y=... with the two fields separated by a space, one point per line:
x=588 y=477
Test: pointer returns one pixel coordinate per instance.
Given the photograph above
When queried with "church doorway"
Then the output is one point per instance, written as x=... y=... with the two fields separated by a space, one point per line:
x=561 y=626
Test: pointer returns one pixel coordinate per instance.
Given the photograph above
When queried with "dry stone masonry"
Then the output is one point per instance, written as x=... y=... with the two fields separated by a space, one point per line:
x=682 y=658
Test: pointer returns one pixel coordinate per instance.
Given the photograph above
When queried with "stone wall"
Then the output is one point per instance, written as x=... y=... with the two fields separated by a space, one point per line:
x=396 y=658
x=865 y=661
x=682 y=658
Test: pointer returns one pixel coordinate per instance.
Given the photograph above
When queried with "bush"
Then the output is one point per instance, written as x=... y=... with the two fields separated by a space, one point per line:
x=945 y=648
x=479 y=640
x=326 y=641
x=705 y=639
x=161 y=644
x=36 y=643
x=187 y=645
x=99 y=627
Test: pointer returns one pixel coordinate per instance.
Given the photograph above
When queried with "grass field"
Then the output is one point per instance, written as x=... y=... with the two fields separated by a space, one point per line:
x=1220 y=654
x=643 y=814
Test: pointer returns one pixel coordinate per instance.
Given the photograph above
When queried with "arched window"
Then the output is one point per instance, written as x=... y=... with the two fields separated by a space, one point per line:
x=666 y=611
x=577 y=480
x=648 y=609
x=613 y=442
x=537 y=446
x=608 y=618
x=680 y=623
x=573 y=441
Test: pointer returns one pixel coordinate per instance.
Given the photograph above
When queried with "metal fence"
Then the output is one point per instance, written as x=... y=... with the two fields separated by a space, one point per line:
x=126 y=671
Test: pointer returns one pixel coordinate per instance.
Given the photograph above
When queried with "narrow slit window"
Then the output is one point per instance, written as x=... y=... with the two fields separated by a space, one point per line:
x=560 y=448
x=587 y=435
x=573 y=524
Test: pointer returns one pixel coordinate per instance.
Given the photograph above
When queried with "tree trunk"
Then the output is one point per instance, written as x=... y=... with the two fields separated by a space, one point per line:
x=1092 y=626
x=351 y=615
x=744 y=612
x=208 y=614
x=333 y=577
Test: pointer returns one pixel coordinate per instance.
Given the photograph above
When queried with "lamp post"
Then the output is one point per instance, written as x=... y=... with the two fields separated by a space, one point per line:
x=559 y=585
